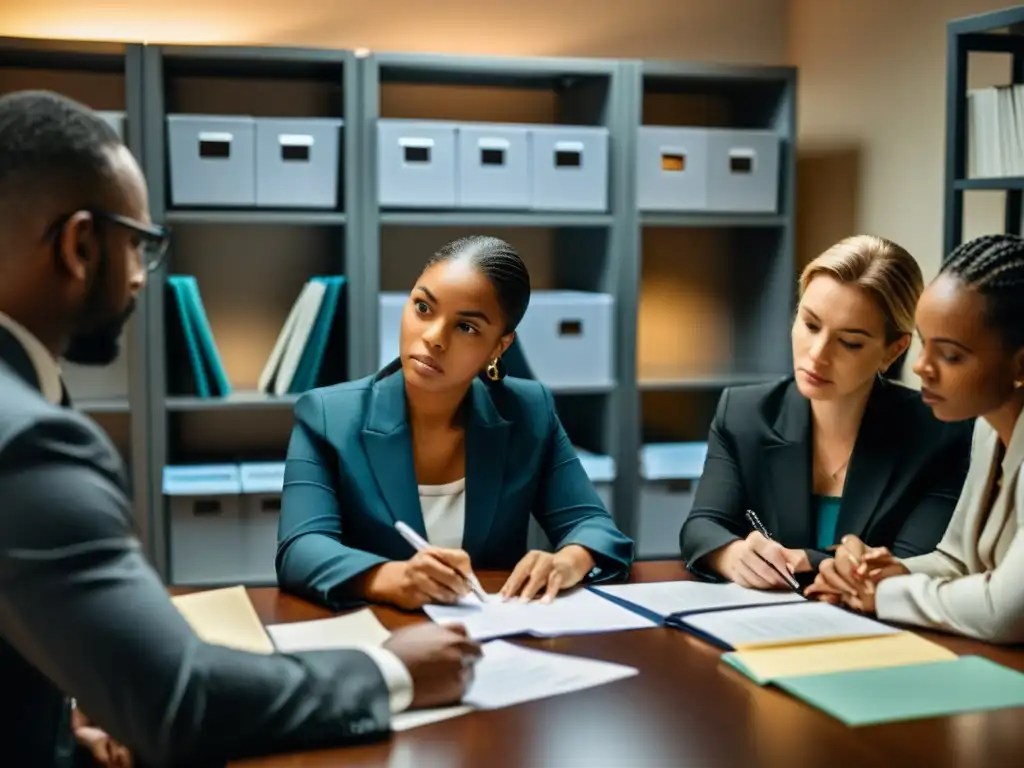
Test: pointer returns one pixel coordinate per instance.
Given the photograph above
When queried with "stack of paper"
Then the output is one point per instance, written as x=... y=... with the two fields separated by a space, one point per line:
x=311 y=337
x=225 y=617
x=572 y=613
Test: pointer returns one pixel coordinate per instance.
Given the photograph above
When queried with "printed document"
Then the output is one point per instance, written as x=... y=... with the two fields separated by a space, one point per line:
x=667 y=597
x=510 y=674
x=572 y=613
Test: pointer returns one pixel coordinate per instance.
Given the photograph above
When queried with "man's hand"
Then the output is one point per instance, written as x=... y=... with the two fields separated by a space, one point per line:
x=440 y=660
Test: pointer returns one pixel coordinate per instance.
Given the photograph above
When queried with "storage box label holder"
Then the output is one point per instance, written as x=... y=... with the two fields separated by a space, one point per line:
x=741 y=160
x=215 y=145
x=493 y=151
x=295 y=147
x=416 y=150
x=568 y=154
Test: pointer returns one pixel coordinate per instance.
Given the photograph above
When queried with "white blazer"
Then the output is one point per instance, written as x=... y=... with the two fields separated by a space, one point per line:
x=973 y=583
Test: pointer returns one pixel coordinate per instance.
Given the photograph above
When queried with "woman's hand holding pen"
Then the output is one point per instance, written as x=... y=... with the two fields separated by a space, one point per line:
x=853 y=574
x=432 y=575
x=758 y=562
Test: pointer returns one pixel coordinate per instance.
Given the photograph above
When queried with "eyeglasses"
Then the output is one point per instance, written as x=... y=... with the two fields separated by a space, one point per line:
x=153 y=239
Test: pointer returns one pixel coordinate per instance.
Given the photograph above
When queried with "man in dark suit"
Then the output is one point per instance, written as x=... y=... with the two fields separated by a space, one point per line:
x=82 y=613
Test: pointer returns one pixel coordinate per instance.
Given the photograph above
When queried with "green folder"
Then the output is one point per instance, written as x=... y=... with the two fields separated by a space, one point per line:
x=219 y=384
x=183 y=315
x=308 y=370
x=917 y=691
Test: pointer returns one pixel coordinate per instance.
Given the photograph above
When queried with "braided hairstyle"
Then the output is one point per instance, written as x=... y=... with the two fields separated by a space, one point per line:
x=993 y=265
x=501 y=265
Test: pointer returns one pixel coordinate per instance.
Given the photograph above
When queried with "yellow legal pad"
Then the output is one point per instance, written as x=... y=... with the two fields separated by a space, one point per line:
x=225 y=617
x=766 y=665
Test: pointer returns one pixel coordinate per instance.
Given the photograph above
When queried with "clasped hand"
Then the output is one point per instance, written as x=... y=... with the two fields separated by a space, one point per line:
x=852 y=575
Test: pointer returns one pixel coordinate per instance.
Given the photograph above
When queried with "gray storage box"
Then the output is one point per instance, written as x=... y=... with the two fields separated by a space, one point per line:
x=493 y=166
x=567 y=338
x=115 y=120
x=743 y=171
x=298 y=162
x=262 y=484
x=672 y=169
x=212 y=159
x=206 y=537
x=569 y=168
x=416 y=165
x=669 y=474
x=390 y=306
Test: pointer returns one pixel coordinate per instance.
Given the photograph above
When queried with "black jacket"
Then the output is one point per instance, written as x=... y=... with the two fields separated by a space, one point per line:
x=902 y=482
x=83 y=614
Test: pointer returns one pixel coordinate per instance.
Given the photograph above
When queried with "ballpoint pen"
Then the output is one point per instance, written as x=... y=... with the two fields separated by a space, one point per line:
x=419 y=544
x=757 y=525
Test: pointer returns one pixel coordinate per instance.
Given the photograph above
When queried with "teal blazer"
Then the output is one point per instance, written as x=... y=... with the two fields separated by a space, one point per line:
x=349 y=478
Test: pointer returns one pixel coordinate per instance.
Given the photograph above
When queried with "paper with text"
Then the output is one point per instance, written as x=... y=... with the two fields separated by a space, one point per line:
x=668 y=597
x=804 y=622
x=577 y=612
x=353 y=630
x=225 y=617
x=510 y=674
x=765 y=665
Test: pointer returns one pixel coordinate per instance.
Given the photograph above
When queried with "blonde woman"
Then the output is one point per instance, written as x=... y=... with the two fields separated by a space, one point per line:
x=971 y=323
x=834 y=448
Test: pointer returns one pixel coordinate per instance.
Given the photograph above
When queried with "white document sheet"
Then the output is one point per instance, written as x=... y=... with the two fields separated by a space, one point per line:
x=510 y=674
x=353 y=630
x=573 y=613
x=668 y=597
x=786 y=624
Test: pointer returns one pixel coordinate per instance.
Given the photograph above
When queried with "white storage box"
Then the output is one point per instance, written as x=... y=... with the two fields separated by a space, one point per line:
x=672 y=169
x=298 y=162
x=669 y=474
x=207 y=544
x=567 y=338
x=743 y=171
x=262 y=484
x=212 y=160
x=416 y=164
x=493 y=166
x=569 y=168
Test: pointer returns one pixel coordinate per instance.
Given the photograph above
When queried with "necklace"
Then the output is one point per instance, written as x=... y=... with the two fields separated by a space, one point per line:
x=840 y=468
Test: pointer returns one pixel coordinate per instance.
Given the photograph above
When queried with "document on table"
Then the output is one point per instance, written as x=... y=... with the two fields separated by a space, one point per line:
x=871 y=696
x=578 y=612
x=225 y=617
x=805 y=622
x=667 y=597
x=510 y=674
x=353 y=630
x=766 y=665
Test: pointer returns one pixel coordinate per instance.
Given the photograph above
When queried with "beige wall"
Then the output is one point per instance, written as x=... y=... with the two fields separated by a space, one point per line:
x=872 y=122
x=725 y=30
x=872 y=83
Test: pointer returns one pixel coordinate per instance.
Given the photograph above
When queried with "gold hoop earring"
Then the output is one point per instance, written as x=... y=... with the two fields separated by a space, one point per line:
x=492 y=370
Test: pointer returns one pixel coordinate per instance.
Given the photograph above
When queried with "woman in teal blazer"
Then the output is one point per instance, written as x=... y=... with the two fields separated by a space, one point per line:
x=462 y=459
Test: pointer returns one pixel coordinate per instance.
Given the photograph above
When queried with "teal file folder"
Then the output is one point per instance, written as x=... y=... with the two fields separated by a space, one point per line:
x=181 y=323
x=916 y=691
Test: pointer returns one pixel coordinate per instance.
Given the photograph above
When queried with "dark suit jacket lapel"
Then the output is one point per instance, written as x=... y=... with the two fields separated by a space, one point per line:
x=388 y=444
x=14 y=354
x=872 y=463
x=788 y=465
x=487 y=437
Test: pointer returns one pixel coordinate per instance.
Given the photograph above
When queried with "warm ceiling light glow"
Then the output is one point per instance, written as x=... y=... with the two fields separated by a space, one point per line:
x=154 y=25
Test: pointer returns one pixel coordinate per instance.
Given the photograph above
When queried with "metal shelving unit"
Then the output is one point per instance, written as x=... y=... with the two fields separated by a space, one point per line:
x=997 y=32
x=601 y=251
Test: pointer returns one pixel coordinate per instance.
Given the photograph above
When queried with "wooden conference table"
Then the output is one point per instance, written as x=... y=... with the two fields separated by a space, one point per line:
x=685 y=708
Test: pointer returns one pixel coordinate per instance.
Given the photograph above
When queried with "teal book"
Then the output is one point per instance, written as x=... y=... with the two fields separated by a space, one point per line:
x=219 y=384
x=913 y=692
x=307 y=374
x=182 y=340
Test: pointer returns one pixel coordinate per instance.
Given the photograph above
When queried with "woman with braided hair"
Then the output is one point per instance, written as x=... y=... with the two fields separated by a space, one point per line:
x=971 y=323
